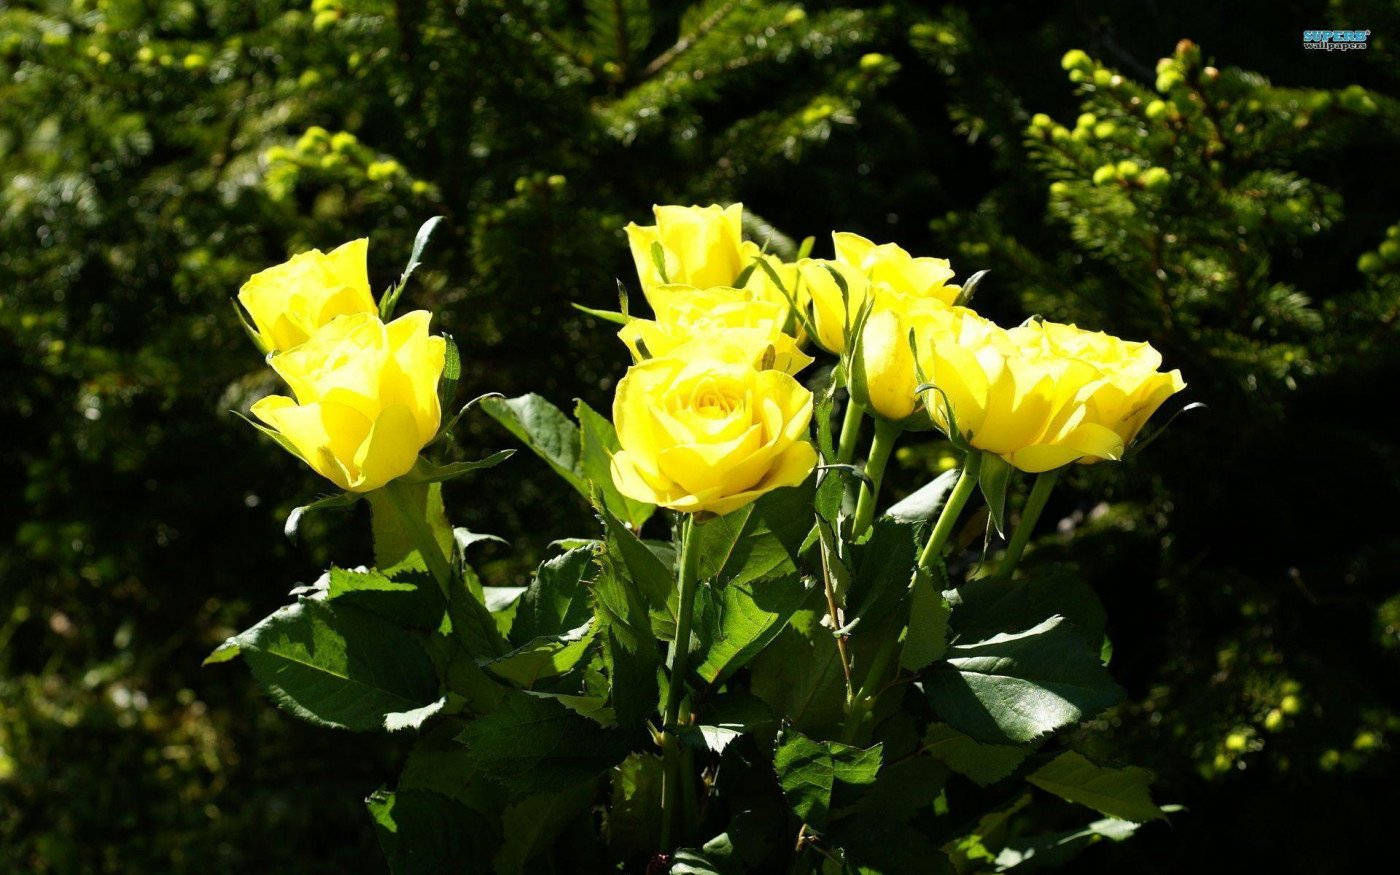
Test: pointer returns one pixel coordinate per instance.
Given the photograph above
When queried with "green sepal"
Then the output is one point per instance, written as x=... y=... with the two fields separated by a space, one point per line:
x=249 y=328
x=451 y=372
x=390 y=299
x=969 y=288
x=614 y=316
x=330 y=502
x=428 y=472
x=993 y=477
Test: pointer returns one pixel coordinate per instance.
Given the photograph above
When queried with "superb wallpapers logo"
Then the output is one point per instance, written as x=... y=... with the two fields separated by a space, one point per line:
x=1335 y=40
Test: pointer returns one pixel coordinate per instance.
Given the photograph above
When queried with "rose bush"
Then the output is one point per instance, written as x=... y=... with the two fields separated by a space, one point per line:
x=773 y=676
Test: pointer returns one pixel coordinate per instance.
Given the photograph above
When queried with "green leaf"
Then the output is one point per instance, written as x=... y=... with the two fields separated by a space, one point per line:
x=422 y=832
x=743 y=618
x=533 y=745
x=532 y=825
x=633 y=820
x=799 y=675
x=758 y=541
x=984 y=607
x=464 y=538
x=439 y=765
x=994 y=475
x=809 y=772
x=543 y=657
x=927 y=637
x=1056 y=849
x=626 y=624
x=876 y=833
x=1015 y=687
x=557 y=599
x=924 y=503
x=545 y=430
x=338 y=665
x=636 y=563
x=983 y=763
x=412 y=599
x=580 y=455
x=1121 y=792
x=729 y=715
x=881 y=571
x=972 y=851
x=597 y=444
x=832 y=480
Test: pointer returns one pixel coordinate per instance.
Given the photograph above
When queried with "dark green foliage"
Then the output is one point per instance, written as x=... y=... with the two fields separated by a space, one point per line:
x=153 y=154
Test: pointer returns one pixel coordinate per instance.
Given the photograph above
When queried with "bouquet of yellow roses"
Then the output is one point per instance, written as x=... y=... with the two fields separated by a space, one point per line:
x=751 y=665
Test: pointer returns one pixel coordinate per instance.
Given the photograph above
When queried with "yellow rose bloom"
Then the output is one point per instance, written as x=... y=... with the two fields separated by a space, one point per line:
x=700 y=246
x=1131 y=387
x=366 y=397
x=703 y=435
x=718 y=322
x=889 y=265
x=883 y=375
x=1006 y=399
x=290 y=301
x=886 y=271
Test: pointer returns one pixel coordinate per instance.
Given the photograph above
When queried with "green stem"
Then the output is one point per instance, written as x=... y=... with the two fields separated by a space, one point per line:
x=422 y=535
x=1035 y=503
x=673 y=800
x=962 y=491
x=861 y=704
x=850 y=432
x=886 y=433
x=400 y=495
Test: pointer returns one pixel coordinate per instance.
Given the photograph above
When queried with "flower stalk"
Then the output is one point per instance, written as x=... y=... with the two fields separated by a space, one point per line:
x=850 y=432
x=1035 y=503
x=952 y=509
x=415 y=525
x=673 y=799
x=881 y=446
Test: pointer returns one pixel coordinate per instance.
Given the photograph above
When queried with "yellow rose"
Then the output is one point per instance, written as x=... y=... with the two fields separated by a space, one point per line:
x=1130 y=389
x=700 y=246
x=290 y=301
x=883 y=376
x=887 y=264
x=718 y=322
x=707 y=435
x=833 y=315
x=885 y=271
x=366 y=397
x=1006 y=399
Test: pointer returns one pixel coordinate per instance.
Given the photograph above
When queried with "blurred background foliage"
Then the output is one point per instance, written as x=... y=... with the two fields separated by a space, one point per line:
x=1234 y=204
